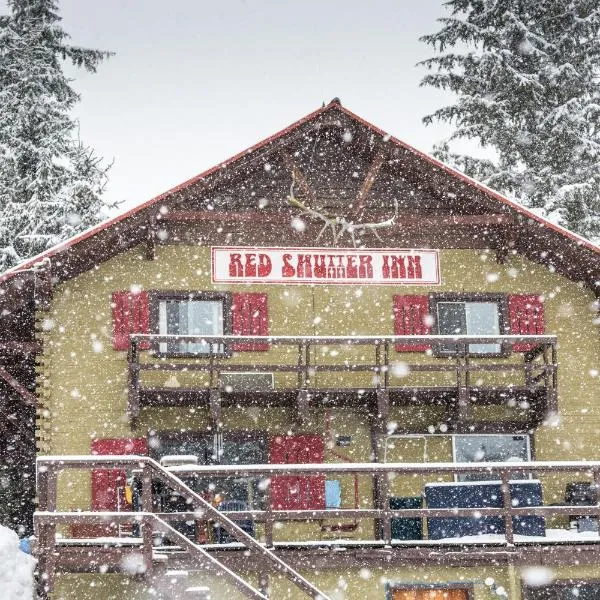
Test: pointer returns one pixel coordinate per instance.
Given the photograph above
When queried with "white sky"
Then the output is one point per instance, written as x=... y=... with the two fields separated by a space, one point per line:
x=193 y=82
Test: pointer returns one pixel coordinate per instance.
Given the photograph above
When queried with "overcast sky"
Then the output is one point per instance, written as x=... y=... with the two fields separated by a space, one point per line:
x=193 y=82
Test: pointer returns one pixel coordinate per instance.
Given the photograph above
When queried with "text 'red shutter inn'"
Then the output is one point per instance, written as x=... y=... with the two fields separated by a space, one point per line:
x=526 y=313
x=250 y=317
x=130 y=315
x=411 y=314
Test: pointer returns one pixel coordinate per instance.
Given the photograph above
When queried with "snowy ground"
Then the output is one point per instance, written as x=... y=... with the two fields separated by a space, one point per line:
x=16 y=568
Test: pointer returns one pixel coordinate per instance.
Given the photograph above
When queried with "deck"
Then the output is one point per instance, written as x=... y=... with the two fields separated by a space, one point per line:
x=363 y=372
x=266 y=551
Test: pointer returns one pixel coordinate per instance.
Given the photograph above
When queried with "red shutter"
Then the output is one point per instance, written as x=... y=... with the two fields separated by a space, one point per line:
x=130 y=315
x=526 y=313
x=290 y=492
x=108 y=485
x=410 y=318
x=250 y=317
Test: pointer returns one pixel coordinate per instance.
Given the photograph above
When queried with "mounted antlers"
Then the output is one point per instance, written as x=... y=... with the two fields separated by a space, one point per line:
x=339 y=225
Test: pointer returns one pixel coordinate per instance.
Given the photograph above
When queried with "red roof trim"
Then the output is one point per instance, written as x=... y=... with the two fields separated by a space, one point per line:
x=335 y=105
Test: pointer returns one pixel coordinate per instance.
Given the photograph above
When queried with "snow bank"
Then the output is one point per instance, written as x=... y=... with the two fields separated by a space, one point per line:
x=16 y=568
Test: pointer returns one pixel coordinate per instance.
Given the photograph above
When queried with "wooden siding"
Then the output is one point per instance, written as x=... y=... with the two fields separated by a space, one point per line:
x=83 y=381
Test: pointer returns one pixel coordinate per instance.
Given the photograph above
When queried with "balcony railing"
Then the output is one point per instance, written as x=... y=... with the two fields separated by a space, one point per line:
x=312 y=363
x=508 y=507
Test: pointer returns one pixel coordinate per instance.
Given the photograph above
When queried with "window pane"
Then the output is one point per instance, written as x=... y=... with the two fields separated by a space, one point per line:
x=489 y=448
x=482 y=319
x=451 y=321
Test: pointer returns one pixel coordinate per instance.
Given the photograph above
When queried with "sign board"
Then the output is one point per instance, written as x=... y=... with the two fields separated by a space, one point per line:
x=388 y=266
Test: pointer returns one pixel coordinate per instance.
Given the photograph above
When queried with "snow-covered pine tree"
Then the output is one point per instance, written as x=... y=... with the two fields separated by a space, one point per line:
x=527 y=78
x=50 y=183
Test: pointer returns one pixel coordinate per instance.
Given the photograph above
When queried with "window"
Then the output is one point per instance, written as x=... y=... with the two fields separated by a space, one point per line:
x=206 y=313
x=490 y=448
x=429 y=593
x=565 y=590
x=476 y=314
x=230 y=448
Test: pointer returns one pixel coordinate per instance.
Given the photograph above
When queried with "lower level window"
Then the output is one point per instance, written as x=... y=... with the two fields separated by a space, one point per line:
x=429 y=593
x=231 y=448
x=567 y=590
x=476 y=448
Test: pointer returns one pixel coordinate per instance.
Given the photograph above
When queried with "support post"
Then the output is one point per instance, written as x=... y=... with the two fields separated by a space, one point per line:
x=507 y=504
x=302 y=407
x=214 y=396
x=46 y=532
x=133 y=397
x=147 y=541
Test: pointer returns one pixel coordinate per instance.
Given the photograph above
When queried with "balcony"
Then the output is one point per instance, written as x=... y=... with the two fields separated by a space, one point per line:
x=503 y=525
x=352 y=371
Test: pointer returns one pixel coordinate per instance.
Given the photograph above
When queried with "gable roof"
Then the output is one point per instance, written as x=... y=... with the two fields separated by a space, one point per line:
x=550 y=234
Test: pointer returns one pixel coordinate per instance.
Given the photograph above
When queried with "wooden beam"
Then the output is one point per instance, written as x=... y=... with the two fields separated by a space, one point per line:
x=29 y=398
x=151 y=235
x=371 y=176
x=300 y=179
x=403 y=221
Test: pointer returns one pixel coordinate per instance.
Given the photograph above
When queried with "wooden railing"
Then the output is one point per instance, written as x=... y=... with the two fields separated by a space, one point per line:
x=47 y=517
x=507 y=476
x=450 y=354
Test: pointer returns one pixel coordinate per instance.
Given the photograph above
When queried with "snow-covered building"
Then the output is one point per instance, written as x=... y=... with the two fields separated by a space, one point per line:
x=349 y=371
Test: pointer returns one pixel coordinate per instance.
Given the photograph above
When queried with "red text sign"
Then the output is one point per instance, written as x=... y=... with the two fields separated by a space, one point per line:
x=325 y=266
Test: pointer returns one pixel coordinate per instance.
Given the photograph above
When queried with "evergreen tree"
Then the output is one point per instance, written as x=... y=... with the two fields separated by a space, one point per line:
x=50 y=183
x=527 y=78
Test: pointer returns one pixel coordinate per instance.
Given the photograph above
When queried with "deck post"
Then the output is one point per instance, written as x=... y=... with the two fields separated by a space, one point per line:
x=133 y=397
x=46 y=532
x=214 y=396
x=147 y=543
x=507 y=507
x=269 y=523
x=302 y=406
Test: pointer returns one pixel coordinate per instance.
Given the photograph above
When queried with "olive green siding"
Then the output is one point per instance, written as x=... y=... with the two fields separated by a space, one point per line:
x=83 y=381
x=343 y=584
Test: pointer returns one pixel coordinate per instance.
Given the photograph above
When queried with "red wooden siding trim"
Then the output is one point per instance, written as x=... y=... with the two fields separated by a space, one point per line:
x=108 y=485
x=410 y=318
x=293 y=492
x=250 y=316
x=130 y=315
x=526 y=314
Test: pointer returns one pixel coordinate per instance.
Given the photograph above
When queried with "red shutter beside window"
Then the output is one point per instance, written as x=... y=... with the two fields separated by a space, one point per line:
x=108 y=485
x=410 y=318
x=526 y=313
x=293 y=492
x=250 y=317
x=130 y=315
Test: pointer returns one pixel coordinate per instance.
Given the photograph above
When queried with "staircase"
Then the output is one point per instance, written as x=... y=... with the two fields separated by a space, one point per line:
x=47 y=518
